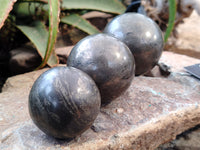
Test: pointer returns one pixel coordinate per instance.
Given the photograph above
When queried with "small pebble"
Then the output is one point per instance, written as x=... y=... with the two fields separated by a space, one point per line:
x=119 y=110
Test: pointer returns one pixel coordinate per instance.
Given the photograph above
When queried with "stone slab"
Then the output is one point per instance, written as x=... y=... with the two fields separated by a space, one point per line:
x=151 y=112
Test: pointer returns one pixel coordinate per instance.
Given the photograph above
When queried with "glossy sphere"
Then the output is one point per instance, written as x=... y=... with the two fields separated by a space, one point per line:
x=142 y=36
x=64 y=102
x=107 y=60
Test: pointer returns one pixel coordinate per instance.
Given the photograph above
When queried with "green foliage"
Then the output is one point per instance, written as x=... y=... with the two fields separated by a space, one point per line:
x=38 y=35
x=5 y=8
x=32 y=15
x=172 y=17
x=25 y=10
x=79 y=22
x=111 y=6
x=54 y=12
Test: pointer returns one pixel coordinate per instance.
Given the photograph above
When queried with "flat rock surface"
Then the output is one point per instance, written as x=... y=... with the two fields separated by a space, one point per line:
x=151 y=112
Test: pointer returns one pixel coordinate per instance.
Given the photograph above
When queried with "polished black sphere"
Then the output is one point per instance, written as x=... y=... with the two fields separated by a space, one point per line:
x=107 y=60
x=64 y=102
x=143 y=37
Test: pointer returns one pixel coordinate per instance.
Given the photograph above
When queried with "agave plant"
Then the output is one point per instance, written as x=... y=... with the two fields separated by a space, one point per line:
x=39 y=20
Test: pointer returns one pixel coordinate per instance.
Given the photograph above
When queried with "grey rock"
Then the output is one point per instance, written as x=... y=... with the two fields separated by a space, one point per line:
x=24 y=59
x=151 y=112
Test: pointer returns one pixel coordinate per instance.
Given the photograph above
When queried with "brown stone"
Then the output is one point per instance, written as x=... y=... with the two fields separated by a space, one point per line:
x=151 y=112
x=187 y=42
x=96 y=14
x=24 y=59
x=64 y=51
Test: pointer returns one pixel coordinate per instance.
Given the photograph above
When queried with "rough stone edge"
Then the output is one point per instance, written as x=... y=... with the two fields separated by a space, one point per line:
x=150 y=135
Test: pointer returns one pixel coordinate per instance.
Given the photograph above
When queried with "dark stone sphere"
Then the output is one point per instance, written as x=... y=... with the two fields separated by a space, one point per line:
x=143 y=37
x=107 y=60
x=64 y=102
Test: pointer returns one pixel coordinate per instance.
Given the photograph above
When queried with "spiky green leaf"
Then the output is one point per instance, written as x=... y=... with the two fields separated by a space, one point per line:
x=54 y=12
x=81 y=23
x=38 y=35
x=111 y=6
x=172 y=17
x=5 y=8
